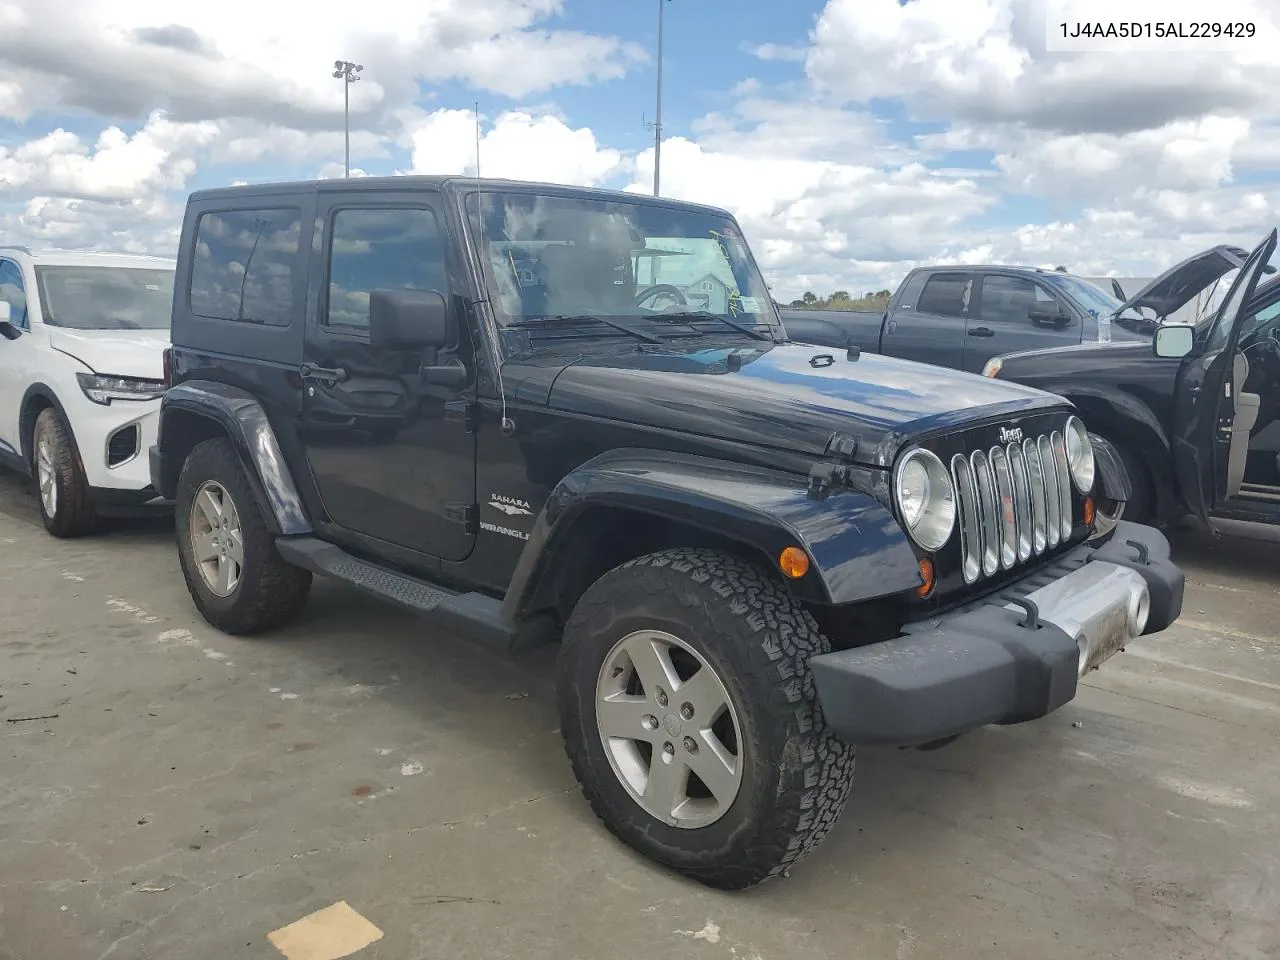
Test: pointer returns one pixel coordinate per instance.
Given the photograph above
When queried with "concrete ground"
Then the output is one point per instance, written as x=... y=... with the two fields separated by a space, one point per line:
x=189 y=792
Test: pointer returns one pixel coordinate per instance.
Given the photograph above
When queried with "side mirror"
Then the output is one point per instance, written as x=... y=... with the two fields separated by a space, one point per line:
x=1173 y=340
x=1047 y=311
x=409 y=319
x=7 y=329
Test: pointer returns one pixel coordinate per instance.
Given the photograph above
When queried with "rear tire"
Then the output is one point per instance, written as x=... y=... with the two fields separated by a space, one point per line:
x=236 y=577
x=784 y=777
x=61 y=486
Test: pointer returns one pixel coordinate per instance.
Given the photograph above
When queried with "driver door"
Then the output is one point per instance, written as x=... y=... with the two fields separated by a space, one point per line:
x=390 y=450
x=1204 y=404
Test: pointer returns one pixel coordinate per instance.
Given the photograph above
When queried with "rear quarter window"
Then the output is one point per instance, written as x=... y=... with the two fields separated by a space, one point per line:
x=244 y=266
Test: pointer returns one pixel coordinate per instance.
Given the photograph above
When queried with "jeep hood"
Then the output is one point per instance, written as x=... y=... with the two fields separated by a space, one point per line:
x=120 y=353
x=788 y=396
x=1176 y=287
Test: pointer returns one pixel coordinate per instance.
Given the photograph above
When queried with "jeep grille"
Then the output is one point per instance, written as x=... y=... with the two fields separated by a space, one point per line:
x=1014 y=503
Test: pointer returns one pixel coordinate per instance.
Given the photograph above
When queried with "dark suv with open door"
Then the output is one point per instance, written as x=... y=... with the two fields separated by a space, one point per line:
x=1194 y=411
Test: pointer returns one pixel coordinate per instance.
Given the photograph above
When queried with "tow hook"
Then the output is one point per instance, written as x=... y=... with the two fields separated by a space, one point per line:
x=1144 y=555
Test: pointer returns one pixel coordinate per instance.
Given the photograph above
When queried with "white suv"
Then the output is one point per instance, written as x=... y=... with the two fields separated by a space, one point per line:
x=82 y=340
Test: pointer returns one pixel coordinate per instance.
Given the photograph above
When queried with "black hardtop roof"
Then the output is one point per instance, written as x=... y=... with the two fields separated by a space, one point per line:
x=1006 y=267
x=435 y=182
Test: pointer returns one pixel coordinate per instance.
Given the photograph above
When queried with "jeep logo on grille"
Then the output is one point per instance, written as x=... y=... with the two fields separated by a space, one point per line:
x=1010 y=434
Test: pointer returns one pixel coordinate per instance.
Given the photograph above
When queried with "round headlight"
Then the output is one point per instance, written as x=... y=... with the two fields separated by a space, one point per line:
x=925 y=498
x=1079 y=454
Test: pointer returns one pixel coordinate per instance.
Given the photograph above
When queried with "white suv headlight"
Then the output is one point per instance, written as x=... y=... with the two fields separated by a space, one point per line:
x=1079 y=454
x=103 y=390
x=926 y=499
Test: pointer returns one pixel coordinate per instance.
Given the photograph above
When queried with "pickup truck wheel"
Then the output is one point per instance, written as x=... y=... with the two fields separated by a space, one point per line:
x=235 y=575
x=691 y=721
x=61 y=486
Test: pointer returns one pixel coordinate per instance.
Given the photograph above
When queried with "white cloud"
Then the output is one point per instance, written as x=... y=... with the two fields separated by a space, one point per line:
x=117 y=167
x=518 y=146
x=985 y=61
x=273 y=61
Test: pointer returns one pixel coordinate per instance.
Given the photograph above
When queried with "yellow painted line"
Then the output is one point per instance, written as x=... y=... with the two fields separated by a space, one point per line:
x=332 y=933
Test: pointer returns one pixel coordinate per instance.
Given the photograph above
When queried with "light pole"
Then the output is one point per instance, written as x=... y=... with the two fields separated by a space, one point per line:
x=657 y=123
x=346 y=71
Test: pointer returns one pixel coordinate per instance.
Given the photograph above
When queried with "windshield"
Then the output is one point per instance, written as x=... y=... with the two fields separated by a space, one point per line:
x=106 y=298
x=1096 y=301
x=565 y=256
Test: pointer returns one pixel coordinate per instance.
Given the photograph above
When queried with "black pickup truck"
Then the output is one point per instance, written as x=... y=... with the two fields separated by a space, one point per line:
x=548 y=414
x=1193 y=411
x=963 y=316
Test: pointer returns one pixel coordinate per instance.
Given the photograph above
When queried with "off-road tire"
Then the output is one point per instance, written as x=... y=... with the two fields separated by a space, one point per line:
x=271 y=591
x=797 y=773
x=73 y=515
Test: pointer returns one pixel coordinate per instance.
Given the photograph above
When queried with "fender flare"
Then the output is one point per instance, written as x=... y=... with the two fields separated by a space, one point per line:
x=1117 y=414
x=242 y=418
x=45 y=392
x=1113 y=479
x=856 y=548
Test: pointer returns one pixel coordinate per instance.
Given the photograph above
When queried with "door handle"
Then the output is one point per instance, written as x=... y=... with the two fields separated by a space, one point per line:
x=981 y=332
x=326 y=375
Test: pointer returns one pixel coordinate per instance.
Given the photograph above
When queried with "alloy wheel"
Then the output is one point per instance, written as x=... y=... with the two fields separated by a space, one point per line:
x=217 y=543
x=669 y=729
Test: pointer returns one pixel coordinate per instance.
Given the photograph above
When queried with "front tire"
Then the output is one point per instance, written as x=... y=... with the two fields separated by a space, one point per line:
x=61 y=485
x=1140 y=507
x=691 y=720
x=236 y=577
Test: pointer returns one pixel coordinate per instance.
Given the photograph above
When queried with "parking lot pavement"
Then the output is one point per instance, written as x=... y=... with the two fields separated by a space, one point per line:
x=189 y=793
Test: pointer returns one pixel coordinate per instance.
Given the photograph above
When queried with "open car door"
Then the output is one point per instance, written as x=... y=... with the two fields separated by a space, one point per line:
x=1206 y=394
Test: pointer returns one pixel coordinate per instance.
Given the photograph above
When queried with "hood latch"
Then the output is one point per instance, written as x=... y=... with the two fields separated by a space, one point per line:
x=824 y=475
x=843 y=446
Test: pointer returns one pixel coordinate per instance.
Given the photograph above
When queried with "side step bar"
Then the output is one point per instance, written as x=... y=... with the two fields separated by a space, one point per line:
x=474 y=615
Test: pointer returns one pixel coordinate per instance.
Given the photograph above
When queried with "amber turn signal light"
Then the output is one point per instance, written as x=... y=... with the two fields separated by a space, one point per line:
x=1088 y=511
x=793 y=562
x=928 y=575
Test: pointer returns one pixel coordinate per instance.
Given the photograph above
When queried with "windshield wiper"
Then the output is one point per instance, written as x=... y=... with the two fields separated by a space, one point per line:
x=680 y=315
x=564 y=319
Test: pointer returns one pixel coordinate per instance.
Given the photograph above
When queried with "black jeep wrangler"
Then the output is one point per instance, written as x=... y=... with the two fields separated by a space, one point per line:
x=542 y=413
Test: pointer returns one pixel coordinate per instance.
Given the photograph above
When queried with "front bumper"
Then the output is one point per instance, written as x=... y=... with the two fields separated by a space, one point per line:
x=1014 y=656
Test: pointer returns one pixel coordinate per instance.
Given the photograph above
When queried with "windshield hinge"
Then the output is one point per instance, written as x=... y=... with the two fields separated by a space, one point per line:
x=825 y=475
x=464 y=412
x=842 y=445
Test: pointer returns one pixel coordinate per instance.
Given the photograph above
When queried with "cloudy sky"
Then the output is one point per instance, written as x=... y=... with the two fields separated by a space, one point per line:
x=853 y=138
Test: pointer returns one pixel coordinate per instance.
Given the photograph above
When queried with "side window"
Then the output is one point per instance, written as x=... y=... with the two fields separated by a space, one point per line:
x=946 y=294
x=245 y=266
x=381 y=249
x=13 y=293
x=1009 y=299
x=1260 y=325
x=910 y=292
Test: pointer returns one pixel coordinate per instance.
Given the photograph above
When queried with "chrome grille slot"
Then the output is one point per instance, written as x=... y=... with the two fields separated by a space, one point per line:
x=1013 y=503
x=1064 y=482
x=990 y=517
x=1053 y=511
x=1035 y=479
x=968 y=517
x=1022 y=499
x=1005 y=504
